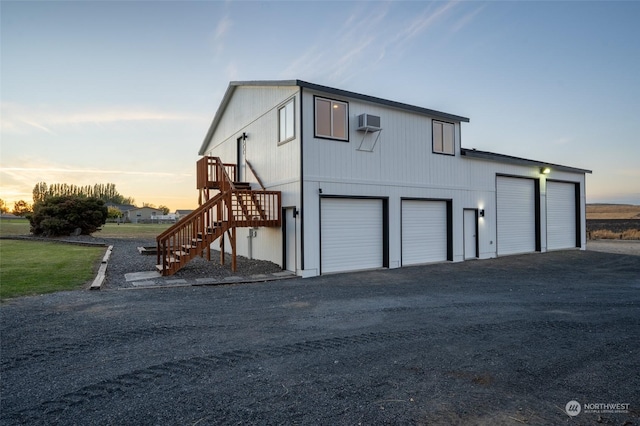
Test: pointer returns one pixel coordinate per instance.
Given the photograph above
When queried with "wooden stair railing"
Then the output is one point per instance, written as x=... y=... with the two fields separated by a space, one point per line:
x=235 y=206
x=190 y=236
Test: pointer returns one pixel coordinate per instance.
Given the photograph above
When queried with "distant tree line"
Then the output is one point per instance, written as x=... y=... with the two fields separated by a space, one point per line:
x=20 y=208
x=106 y=192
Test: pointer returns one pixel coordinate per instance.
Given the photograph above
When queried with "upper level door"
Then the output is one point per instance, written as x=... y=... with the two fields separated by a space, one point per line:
x=241 y=153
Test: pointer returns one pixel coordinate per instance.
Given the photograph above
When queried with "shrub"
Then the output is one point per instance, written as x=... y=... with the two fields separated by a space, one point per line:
x=62 y=215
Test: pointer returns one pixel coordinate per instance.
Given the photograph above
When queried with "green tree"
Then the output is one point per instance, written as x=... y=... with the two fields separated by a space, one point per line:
x=21 y=208
x=3 y=206
x=40 y=192
x=62 y=215
x=165 y=209
x=113 y=213
x=105 y=192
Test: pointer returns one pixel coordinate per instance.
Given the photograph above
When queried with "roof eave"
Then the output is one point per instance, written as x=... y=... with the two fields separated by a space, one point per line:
x=508 y=159
x=381 y=101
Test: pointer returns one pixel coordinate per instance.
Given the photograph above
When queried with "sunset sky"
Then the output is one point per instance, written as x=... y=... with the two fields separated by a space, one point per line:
x=124 y=92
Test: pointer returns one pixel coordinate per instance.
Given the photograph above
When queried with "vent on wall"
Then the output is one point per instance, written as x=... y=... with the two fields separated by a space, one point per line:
x=369 y=123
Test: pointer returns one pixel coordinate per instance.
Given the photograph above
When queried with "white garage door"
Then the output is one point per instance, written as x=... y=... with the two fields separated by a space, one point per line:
x=561 y=215
x=424 y=231
x=351 y=234
x=516 y=215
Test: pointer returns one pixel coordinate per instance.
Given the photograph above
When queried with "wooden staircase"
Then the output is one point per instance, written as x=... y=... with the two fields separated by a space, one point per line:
x=235 y=205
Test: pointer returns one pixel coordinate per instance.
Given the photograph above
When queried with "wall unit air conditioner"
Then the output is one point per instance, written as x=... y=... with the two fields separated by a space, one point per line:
x=368 y=122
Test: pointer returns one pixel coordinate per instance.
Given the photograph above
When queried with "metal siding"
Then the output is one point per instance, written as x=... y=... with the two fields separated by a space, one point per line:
x=351 y=234
x=561 y=215
x=424 y=231
x=515 y=198
x=254 y=111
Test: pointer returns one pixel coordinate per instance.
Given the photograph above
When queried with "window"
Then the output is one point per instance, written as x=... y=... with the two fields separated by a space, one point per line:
x=332 y=119
x=443 y=142
x=286 y=125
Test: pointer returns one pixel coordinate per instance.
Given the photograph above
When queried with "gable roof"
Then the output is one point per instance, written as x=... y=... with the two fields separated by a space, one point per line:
x=143 y=208
x=325 y=89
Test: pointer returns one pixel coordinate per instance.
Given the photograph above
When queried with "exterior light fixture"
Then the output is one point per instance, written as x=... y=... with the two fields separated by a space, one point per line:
x=481 y=213
x=545 y=170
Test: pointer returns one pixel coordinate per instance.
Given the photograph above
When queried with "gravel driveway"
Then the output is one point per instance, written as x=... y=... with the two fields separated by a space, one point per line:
x=503 y=341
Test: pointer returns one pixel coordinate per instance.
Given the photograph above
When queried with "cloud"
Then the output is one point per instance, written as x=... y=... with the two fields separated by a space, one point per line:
x=424 y=21
x=466 y=19
x=13 y=170
x=18 y=182
x=232 y=71
x=338 y=50
x=367 y=36
x=22 y=119
x=38 y=126
x=222 y=28
x=224 y=25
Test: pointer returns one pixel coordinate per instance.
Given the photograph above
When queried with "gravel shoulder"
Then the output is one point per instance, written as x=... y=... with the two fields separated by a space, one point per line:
x=125 y=259
x=495 y=342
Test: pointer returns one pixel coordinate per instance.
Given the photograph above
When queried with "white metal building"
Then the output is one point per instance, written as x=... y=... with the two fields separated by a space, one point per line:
x=372 y=183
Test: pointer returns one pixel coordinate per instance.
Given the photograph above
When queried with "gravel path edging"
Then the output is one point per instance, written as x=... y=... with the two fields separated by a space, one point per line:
x=62 y=240
x=102 y=271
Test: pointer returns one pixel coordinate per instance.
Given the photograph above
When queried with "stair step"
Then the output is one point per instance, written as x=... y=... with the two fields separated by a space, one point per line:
x=180 y=253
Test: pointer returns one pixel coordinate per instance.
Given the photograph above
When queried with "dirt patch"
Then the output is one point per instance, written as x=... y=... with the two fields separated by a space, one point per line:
x=631 y=247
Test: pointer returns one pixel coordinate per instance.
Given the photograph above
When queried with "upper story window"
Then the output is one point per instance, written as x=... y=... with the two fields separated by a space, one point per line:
x=332 y=119
x=286 y=119
x=443 y=141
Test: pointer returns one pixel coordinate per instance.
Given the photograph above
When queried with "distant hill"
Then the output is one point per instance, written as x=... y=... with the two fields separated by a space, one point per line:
x=613 y=211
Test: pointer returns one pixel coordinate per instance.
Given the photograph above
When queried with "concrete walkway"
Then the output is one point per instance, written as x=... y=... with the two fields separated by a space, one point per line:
x=153 y=279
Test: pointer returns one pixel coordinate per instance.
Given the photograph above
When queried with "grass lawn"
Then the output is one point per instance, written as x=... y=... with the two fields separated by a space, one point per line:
x=613 y=211
x=109 y=230
x=14 y=227
x=131 y=230
x=35 y=267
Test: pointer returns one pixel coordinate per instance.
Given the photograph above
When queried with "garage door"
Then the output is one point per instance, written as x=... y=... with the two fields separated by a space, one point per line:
x=561 y=215
x=516 y=215
x=351 y=234
x=424 y=231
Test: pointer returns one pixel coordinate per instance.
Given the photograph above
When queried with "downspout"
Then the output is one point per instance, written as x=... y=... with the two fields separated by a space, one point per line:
x=252 y=235
x=301 y=211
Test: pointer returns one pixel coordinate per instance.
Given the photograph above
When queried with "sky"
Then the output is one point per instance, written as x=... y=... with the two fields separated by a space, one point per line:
x=123 y=92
